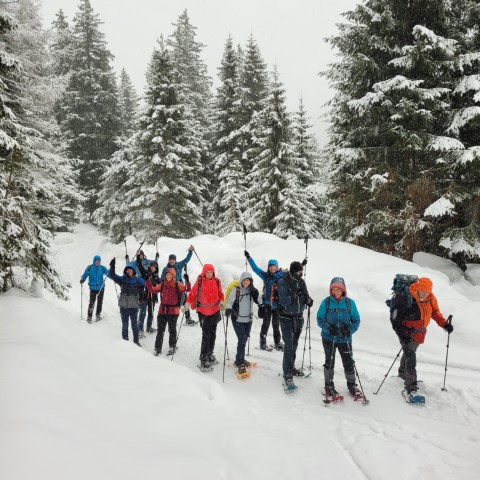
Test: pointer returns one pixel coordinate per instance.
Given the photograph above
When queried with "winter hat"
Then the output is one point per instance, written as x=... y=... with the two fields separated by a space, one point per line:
x=296 y=267
x=142 y=253
x=338 y=282
x=424 y=284
x=154 y=264
x=172 y=256
x=272 y=262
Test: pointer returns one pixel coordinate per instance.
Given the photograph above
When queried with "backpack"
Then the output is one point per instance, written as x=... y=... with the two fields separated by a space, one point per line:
x=347 y=301
x=401 y=291
x=231 y=286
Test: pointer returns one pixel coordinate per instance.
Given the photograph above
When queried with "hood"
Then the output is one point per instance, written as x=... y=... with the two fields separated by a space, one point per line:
x=97 y=257
x=424 y=284
x=174 y=275
x=245 y=275
x=272 y=262
x=153 y=263
x=338 y=282
x=207 y=267
x=129 y=265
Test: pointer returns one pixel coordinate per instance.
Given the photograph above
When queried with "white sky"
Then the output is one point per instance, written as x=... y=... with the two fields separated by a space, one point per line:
x=289 y=33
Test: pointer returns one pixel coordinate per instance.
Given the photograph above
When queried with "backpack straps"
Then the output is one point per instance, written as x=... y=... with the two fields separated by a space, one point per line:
x=347 y=301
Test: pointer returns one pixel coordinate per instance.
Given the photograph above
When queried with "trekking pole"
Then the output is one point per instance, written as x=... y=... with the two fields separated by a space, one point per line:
x=126 y=251
x=364 y=401
x=178 y=335
x=449 y=321
x=386 y=375
x=195 y=252
x=248 y=347
x=81 y=302
x=245 y=238
x=307 y=328
x=225 y=350
x=225 y=332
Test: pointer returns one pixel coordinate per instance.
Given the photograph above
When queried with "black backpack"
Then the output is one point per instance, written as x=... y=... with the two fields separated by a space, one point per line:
x=401 y=295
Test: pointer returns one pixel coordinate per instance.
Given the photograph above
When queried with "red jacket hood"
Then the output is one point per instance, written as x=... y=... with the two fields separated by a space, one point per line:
x=174 y=275
x=207 y=267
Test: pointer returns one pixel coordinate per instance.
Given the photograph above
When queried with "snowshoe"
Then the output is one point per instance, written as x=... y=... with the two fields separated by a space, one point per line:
x=278 y=346
x=331 y=395
x=212 y=360
x=242 y=372
x=413 y=398
x=98 y=318
x=266 y=348
x=172 y=350
x=205 y=367
x=190 y=322
x=356 y=394
x=288 y=385
x=89 y=319
x=157 y=352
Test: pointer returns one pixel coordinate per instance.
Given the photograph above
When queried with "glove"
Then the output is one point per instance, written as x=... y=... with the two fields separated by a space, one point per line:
x=333 y=330
x=127 y=258
x=186 y=278
x=247 y=254
x=345 y=330
x=304 y=262
x=228 y=312
x=309 y=302
x=255 y=295
x=112 y=263
x=82 y=281
x=222 y=306
x=157 y=255
x=448 y=327
x=191 y=248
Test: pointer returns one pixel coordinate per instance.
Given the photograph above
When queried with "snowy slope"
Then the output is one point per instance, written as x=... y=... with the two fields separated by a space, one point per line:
x=76 y=401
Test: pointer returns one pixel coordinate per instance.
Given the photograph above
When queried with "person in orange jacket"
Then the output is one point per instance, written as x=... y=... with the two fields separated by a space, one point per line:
x=410 y=319
x=207 y=298
x=171 y=297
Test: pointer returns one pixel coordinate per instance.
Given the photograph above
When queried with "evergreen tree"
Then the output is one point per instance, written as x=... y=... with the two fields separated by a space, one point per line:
x=390 y=144
x=90 y=118
x=228 y=181
x=128 y=105
x=61 y=44
x=277 y=200
x=33 y=177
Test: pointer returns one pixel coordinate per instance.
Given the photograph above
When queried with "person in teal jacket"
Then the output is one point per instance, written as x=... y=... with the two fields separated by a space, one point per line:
x=338 y=318
x=96 y=274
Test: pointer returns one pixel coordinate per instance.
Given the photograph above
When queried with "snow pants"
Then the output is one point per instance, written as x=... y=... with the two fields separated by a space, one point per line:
x=129 y=314
x=408 y=364
x=291 y=330
x=98 y=296
x=270 y=315
x=209 y=333
x=345 y=350
x=162 y=321
x=151 y=302
x=242 y=330
x=142 y=313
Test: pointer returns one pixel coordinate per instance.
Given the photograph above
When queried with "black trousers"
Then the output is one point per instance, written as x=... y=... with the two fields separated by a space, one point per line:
x=270 y=315
x=345 y=350
x=151 y=301
x=95 y=295
x=162 y=321
x=408 y=364
x=209 y=333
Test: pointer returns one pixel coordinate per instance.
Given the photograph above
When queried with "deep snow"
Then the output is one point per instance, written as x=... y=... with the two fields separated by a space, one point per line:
x=76 y=401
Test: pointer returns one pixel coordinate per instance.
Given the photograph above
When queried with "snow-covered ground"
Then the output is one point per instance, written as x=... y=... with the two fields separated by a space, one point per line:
x=77 y=402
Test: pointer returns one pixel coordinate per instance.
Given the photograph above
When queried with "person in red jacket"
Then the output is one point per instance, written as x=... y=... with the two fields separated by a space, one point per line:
x=207 y=298
x=171 y=297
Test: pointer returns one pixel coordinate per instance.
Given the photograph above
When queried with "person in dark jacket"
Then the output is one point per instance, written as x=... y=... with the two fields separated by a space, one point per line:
x=131 y=288
x=338 y=318
x=293 y=299
x=240 y=308
x=150 y=298
x=96 y=274
x=268 y=311
x=178 y=267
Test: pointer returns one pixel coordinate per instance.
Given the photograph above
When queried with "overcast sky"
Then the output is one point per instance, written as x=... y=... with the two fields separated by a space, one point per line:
x=290 y=33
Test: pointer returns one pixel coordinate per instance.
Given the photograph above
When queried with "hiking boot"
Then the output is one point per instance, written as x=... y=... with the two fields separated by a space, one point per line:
x=288 y=382
x=298 y=372
x=98 y=317
x=354 y=391
x=279 y=346
x=204 y=363
x=245 y=362
x=330 y=390
x=136 y=342
x=189 y=321
x=212 y=359
x=89 y=319
x=263 y=346
x=157 y=352
x=151 y=330
x=242 y=369
x=172 y=350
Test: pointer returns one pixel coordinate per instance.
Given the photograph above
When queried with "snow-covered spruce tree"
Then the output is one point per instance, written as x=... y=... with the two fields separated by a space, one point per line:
x=30 y=176
x=277 y=201
x=128 y=105
x=164 y=189
x=90 y=118
x=61 y=44
x=227 y=170
x=250 y=98
x=389 y=122
x=455 y=211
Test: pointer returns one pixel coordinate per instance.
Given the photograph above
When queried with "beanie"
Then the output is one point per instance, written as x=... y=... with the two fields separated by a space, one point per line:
x=172 y=257
x=296 y=267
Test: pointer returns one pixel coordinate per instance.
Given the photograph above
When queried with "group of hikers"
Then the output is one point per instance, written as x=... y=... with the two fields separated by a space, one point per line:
x=282 y=304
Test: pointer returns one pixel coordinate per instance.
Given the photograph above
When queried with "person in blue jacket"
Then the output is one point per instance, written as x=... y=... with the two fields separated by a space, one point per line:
x=178 y=267
x=338 y=318
x=268 y=310
x=293 y=299
x=96 y=274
